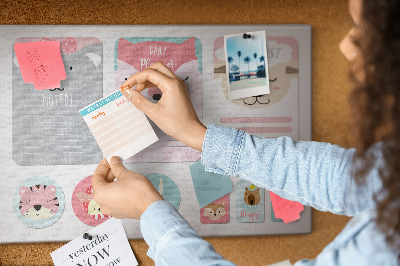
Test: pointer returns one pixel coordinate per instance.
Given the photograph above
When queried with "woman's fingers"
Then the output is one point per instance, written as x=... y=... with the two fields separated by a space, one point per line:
x=141 y=86
x=100 y=174
x=158 y=79
x=160 y=67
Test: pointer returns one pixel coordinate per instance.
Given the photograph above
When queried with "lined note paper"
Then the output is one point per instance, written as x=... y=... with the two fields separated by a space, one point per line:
x=118 y=126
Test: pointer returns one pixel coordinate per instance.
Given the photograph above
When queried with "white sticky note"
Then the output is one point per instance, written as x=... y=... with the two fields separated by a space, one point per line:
x=109 y=246
x=118 y=126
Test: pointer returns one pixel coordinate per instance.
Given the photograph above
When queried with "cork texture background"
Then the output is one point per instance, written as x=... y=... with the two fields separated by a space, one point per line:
x=330 y=22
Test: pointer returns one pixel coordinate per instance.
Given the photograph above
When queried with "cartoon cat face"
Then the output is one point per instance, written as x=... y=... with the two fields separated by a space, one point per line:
x=93 y=208
x=38 y=202
x=87 y=199
x=214 y=211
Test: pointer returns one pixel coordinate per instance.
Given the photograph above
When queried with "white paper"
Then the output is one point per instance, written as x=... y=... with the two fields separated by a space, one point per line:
x=109 y=246
x=246 y=77
x=118 y=126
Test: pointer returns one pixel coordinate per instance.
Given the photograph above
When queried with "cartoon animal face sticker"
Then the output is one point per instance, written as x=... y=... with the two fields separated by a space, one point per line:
x=282 y=67
x=38 y=202
x=86 y=209
x=250 y=202
x=252 y=197
x=214 y=211
x=217 y=212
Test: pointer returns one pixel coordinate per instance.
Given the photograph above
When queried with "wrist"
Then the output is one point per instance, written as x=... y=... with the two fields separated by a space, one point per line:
x=197 y=136
x=148 y=203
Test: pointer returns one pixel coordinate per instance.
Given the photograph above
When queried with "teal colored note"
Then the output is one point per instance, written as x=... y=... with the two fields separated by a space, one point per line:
x=273 y=218
x=209 y=186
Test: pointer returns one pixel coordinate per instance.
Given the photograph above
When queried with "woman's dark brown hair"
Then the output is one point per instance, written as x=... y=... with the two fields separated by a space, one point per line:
x=375 y=103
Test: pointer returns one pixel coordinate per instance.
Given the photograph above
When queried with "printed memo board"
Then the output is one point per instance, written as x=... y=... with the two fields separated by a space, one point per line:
x=48 y=153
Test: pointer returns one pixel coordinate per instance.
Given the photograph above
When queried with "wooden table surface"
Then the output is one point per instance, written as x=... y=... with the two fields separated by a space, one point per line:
x=330 y=22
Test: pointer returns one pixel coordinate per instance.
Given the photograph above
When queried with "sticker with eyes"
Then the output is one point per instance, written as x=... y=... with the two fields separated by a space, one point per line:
x=39 y=202
x=217 y=212
x=249 y=203
x=85 y=207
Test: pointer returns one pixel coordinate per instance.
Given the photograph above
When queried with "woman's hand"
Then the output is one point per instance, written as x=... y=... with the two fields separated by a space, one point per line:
x=128 y=196
x=174 y=113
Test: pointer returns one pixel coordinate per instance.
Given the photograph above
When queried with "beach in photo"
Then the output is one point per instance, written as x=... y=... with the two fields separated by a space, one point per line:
x=246 y=61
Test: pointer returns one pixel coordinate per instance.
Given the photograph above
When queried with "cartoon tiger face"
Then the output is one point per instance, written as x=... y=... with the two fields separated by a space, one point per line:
x=38 y=202
x=215 y=211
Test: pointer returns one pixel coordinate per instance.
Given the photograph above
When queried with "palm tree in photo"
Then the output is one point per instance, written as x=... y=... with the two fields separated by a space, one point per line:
x=255 y=57
x=230 y=60
x=239 y=54
x=264 y=73
x=247 y=60
x=262 y=59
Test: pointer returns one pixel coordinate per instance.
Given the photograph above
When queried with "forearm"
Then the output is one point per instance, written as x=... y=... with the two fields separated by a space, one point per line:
x=172 y=241
x=312 y=173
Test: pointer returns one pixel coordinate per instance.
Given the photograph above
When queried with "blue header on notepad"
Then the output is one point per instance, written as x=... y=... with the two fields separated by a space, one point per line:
x=100 y=103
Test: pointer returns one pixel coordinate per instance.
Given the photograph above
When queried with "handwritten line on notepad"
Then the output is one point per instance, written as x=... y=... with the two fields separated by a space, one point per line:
x=119 y=127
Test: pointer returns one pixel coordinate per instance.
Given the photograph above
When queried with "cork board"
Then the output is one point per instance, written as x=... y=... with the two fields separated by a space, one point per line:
x=330 y=90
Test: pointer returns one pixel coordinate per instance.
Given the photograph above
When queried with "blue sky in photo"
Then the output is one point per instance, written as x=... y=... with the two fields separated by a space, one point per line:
x=248 y=47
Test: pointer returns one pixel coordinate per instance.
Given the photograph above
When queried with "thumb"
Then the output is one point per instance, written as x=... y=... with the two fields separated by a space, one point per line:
x=138 y=100
x=99 y=175
x=117 y=167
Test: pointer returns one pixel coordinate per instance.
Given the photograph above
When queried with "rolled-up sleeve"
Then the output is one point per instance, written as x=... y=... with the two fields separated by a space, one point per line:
x=316 y=174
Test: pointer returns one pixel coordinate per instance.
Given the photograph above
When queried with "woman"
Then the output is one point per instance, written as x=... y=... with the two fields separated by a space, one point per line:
x=363 y=183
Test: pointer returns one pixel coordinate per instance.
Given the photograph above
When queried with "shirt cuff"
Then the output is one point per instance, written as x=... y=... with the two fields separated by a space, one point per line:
x=221 y=151
x=159 y=218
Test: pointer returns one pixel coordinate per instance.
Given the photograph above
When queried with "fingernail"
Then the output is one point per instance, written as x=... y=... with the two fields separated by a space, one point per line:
x=128 y=94
x=115 y=160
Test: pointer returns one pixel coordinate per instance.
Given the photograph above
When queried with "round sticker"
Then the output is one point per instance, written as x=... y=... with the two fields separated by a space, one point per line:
x=167 y=188
x=38 y=202
x=85 y=207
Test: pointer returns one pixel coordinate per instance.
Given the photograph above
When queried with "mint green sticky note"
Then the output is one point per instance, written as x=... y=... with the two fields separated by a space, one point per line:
x=209 y=186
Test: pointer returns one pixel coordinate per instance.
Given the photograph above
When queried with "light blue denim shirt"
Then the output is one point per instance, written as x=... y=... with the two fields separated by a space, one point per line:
x=312 y=173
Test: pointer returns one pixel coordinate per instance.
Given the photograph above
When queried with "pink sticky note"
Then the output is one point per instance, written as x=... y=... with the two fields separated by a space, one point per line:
x=288 y=211
x=41 y=63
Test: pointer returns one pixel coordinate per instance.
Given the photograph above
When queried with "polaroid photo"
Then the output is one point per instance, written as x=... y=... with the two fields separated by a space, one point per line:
x=247 y=64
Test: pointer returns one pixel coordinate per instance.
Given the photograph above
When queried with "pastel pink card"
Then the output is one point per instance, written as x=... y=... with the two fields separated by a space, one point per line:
x=41 y=63
x=288 y=211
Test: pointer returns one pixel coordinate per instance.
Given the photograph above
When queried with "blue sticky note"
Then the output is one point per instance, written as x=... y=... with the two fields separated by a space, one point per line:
x=209 y=186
